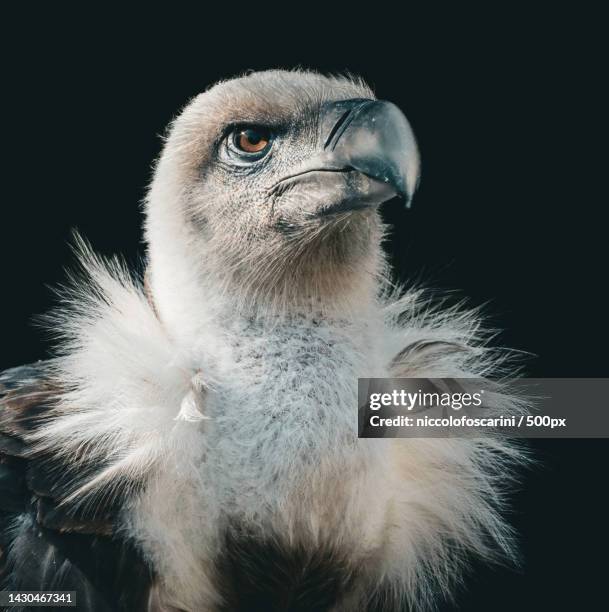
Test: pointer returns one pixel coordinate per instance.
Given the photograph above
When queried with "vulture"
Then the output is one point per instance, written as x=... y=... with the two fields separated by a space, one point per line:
x=192 y=443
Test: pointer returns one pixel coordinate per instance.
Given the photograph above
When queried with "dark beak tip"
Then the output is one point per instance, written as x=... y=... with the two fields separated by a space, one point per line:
x=375 y=138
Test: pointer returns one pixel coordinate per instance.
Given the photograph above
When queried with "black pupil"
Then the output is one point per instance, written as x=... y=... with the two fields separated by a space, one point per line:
x=253 y=136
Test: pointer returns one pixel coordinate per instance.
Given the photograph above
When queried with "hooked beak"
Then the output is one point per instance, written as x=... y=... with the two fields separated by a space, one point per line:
x=372 y=145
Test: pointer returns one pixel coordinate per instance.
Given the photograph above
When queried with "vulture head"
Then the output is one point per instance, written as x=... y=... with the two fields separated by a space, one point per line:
x=268 y=189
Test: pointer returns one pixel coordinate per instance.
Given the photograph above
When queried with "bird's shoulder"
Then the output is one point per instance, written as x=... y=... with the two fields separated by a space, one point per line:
x=46 y=544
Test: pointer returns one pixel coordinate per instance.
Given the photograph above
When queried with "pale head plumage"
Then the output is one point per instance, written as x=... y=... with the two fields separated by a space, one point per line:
x=226 y=227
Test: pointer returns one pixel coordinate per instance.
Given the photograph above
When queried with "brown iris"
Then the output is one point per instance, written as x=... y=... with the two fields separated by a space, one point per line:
x=252 y=139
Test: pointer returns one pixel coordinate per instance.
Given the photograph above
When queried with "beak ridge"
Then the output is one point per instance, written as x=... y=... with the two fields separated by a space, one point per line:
x=374 y=138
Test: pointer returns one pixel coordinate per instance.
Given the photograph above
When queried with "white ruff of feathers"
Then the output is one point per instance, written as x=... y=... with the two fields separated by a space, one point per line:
x=259 y=422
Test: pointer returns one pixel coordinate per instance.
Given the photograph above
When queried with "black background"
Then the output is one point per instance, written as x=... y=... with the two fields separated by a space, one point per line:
x=511 y=209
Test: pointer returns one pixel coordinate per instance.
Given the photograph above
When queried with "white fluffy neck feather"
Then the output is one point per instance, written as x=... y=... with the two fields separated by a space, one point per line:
x=280 y=447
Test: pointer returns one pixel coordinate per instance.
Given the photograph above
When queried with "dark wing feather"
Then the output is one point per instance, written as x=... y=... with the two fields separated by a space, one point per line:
x=47 y=546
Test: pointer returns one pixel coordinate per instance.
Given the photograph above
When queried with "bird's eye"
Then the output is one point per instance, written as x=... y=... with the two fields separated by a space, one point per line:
x=252 y=139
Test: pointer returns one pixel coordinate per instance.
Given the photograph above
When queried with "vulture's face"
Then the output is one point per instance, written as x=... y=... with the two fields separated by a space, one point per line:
x=279 y=173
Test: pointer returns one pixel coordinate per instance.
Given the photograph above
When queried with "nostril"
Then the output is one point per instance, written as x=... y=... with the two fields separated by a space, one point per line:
x=337 y=126
x=343 y=123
